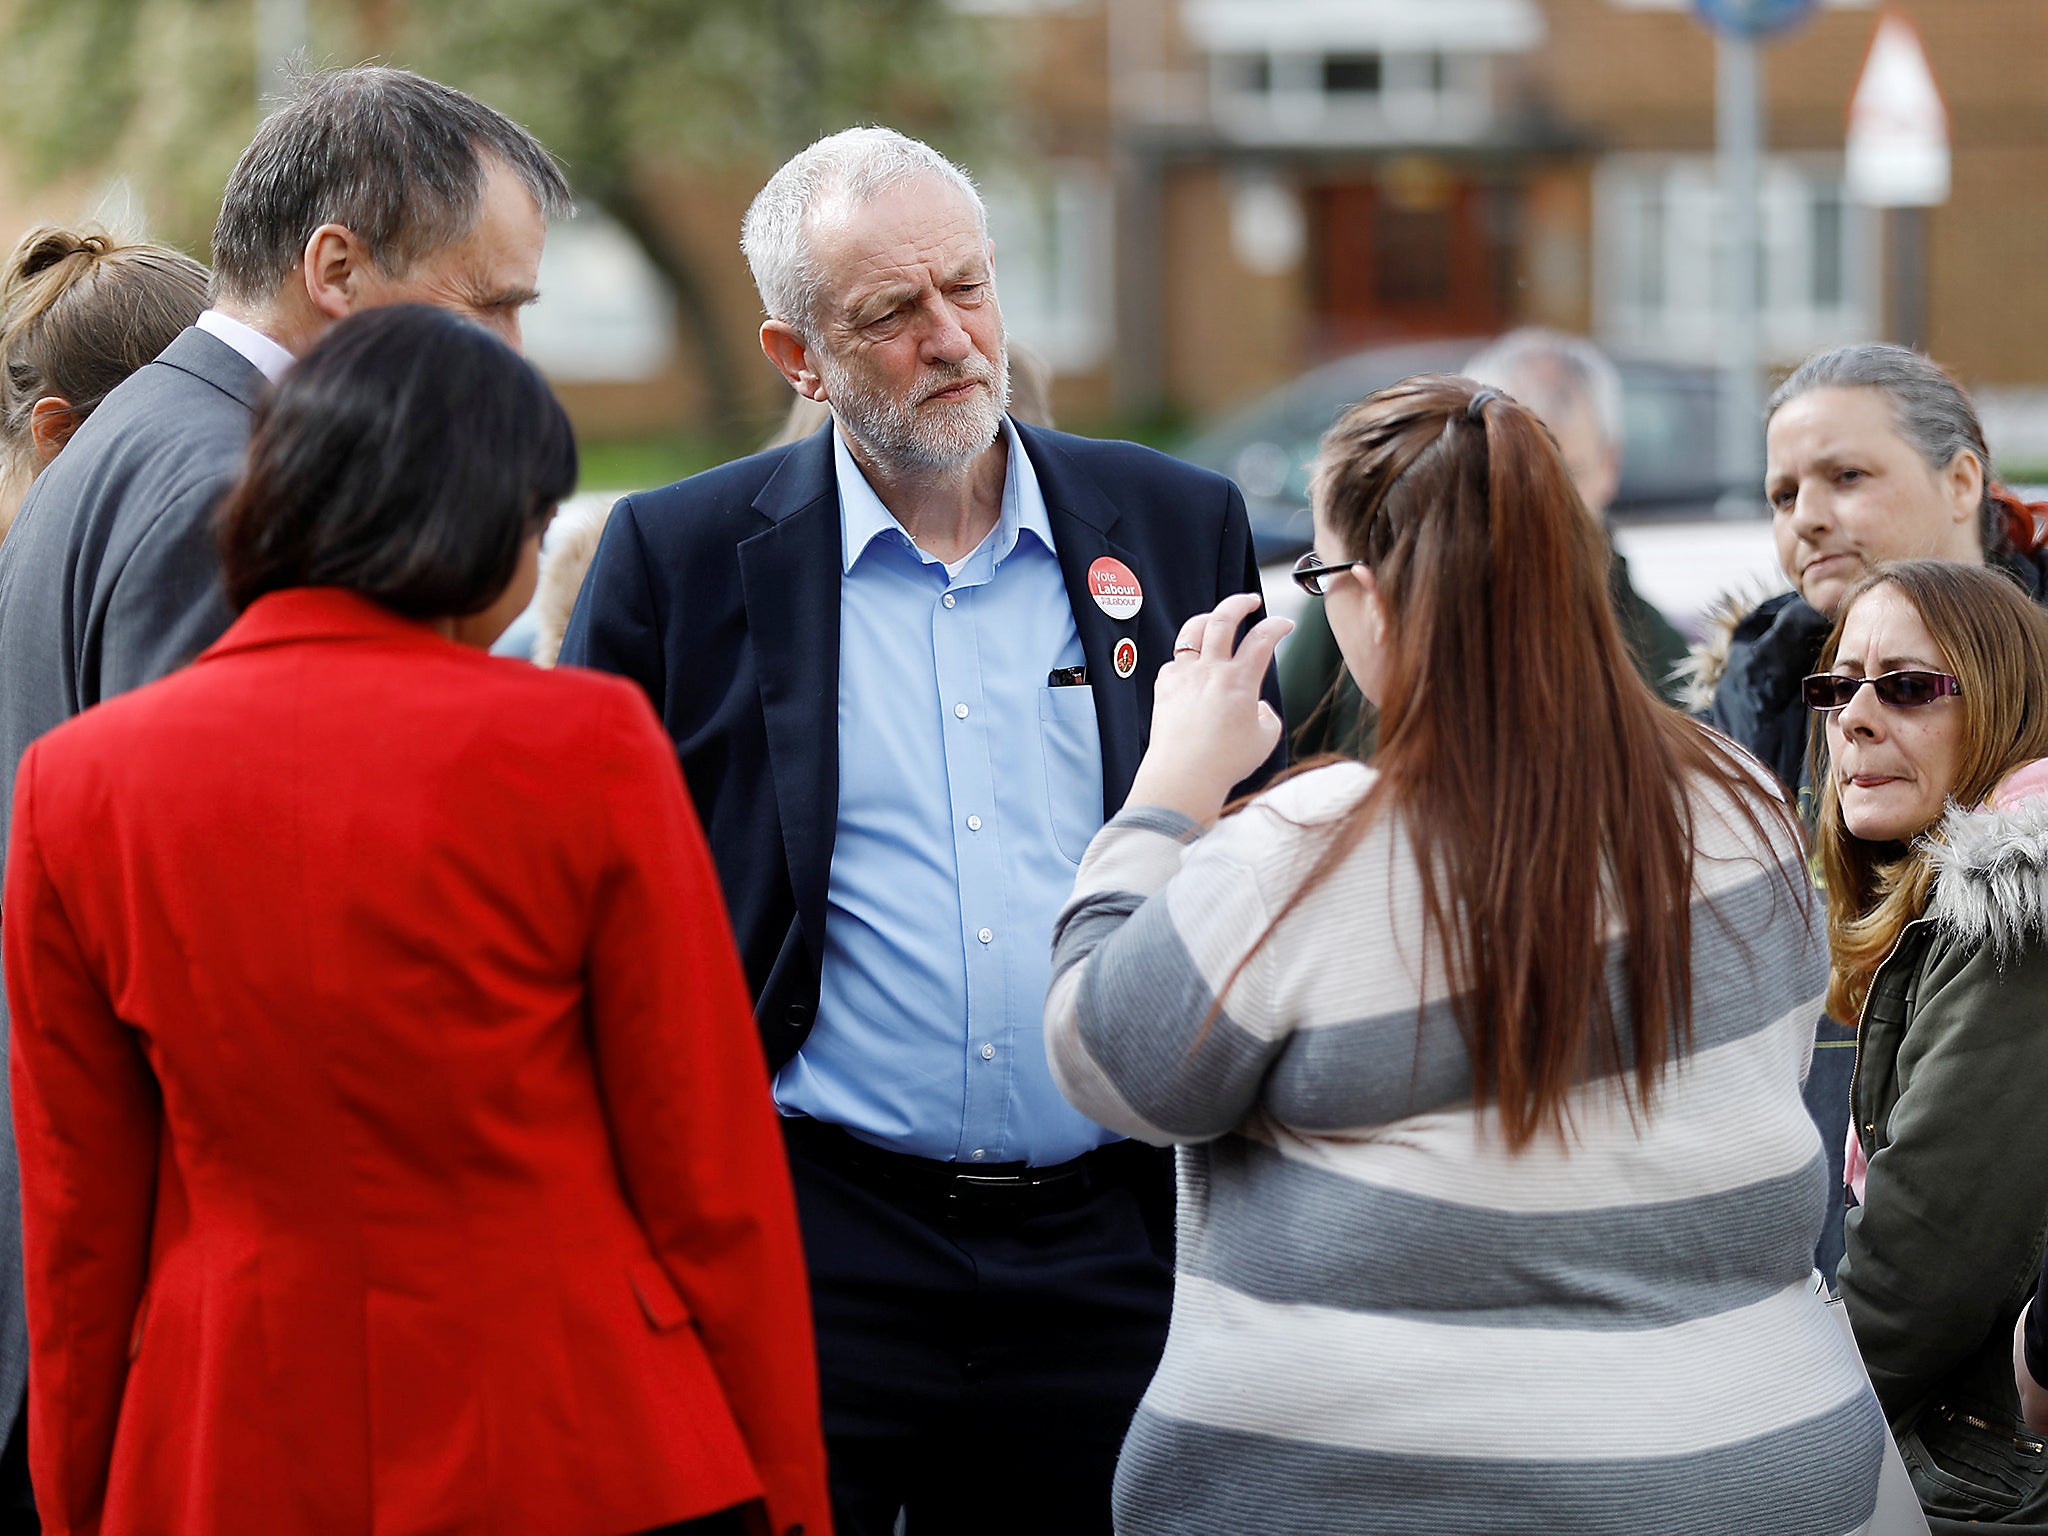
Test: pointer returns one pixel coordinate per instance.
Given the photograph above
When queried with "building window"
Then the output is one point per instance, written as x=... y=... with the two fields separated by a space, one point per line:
x=1660 y=265
x=1351 y=74
x=605 y=314
x=1352 y=97
x=1054 y=261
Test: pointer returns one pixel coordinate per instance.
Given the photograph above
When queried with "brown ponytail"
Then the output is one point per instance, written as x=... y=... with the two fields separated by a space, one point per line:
x=1546 y=792
x=79 y=312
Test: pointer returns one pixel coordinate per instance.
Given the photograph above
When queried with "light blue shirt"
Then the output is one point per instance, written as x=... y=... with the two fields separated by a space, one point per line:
x=968 y=790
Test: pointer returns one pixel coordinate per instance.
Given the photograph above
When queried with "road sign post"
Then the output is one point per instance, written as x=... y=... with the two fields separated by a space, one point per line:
x=1740 y=27
x=1897 y=160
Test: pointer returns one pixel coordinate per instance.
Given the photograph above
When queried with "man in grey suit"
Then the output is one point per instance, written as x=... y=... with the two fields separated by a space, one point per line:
x=369 y=186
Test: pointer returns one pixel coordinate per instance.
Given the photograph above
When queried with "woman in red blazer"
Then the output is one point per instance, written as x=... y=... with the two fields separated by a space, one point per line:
x=396 y=1146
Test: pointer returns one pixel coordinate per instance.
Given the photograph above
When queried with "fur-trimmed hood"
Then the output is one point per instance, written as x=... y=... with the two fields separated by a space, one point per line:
x=1991 y=881
x=1706 y=663
x=565 y=557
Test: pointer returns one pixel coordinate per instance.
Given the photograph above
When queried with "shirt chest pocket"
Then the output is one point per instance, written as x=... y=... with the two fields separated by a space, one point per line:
x=1070 y=740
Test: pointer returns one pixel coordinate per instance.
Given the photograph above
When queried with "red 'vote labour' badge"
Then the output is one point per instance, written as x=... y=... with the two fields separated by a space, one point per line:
x=1115 y=588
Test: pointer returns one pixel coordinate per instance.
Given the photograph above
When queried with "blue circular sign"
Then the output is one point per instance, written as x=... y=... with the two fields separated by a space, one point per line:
x=1752 y=18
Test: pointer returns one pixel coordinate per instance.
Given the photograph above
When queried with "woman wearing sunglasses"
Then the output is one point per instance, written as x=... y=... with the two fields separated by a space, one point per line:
x=1933 y=842
x=1873 y=453
x=1497 y=1195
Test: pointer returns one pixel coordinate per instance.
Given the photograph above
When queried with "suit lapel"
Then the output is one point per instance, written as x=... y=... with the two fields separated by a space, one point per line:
x=1082 y=520
x=789 y=581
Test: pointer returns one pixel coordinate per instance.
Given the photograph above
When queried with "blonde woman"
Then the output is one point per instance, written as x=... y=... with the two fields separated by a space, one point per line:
x=79 y=312
x=1933 y=841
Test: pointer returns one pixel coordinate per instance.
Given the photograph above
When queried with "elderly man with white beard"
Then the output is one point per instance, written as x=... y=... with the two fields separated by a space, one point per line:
x=907 y=664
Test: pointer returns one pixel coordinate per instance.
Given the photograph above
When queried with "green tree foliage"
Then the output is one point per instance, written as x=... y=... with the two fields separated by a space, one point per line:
x=629 y=93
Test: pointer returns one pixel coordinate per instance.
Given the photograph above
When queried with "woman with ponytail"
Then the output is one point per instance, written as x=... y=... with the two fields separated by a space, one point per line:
x=1497 y=1195
x=79 y=312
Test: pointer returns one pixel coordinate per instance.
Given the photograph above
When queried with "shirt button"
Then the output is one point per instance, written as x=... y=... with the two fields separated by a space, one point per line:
x=974 y=823
x=947 y=599
x=986 y=935
x=976 y=1154
x=960 y=711
x=988 y=1053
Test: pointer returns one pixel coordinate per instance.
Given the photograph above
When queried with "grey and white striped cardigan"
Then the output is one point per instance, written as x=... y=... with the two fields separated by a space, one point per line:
x=1386 y=1322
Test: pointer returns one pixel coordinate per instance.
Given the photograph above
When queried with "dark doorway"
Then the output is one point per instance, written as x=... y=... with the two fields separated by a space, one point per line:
x=1412 y=250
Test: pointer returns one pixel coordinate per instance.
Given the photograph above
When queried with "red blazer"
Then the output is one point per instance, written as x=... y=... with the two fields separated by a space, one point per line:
x=396 y=1148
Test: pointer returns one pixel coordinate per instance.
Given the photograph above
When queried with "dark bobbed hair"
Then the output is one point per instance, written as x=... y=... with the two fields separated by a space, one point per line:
x=1546 y=792
x=397 y=159
x=406 y=458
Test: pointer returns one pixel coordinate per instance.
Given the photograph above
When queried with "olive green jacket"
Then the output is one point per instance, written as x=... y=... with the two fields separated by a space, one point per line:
x=1950 y=1099
x=1326 y=713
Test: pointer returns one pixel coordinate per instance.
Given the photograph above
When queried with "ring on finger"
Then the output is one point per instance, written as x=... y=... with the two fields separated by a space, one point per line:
x=1187 y=650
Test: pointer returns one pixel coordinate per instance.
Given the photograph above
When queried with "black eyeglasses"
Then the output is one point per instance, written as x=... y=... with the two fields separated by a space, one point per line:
x=1309 y=572
x=1828 y=692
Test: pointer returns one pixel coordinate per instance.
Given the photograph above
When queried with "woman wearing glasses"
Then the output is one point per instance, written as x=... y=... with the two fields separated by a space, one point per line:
x=1874 y=453
x=1497 y=1193
x=1933 y=841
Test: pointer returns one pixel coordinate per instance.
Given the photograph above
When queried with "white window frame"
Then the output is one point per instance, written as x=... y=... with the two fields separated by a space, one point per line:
x=1410 y=106
x=1666 y=302
x=1055 y=260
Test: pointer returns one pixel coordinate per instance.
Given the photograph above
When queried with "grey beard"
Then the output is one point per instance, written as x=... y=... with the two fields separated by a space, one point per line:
x=900 y=437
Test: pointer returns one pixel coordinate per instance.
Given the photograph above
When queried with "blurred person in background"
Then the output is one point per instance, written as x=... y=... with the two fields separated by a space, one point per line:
x=396 y=1147
x=1872 y=453
x=1497 y=1192
x=572 y=541
x=1933 y=841
x=366 y=187
x=79 y=312
x=906 y=664
x=1575 y=392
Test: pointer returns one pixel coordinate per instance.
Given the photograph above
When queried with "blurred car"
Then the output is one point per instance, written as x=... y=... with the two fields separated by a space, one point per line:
x=1668 y=462
x=1668 y=513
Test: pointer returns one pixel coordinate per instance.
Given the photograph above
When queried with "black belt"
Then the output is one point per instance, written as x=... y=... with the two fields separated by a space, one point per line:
x=982 y=1189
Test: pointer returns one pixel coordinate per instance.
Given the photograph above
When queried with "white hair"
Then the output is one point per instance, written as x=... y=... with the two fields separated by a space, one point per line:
x=851 y=168
x=1552 y=373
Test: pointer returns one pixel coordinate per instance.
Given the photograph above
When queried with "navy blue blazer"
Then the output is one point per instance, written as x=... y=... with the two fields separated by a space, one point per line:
x=719 y=595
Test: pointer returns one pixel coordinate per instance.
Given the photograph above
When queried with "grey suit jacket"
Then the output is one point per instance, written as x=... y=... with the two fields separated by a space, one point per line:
x=108 y=580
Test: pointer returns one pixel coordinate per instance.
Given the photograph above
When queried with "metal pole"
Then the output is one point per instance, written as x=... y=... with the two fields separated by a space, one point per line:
x=1135 y=37
x=1906 y=253
x=281 y=36
x=1739 y=130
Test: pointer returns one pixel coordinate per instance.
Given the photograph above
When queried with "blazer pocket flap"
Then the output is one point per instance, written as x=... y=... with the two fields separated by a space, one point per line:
x=659 y=1298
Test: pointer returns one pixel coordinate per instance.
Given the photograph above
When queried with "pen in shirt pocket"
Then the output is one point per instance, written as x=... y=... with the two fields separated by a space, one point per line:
x=1066 y=677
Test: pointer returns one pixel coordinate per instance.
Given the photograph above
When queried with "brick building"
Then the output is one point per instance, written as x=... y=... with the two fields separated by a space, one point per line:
x=1205 y=197
x=1287 y=179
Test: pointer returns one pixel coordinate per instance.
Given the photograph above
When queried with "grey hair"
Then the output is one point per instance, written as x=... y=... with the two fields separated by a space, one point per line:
x=1551 y=373
x=397 y=159
x=852 y=167
x=1931 y=410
